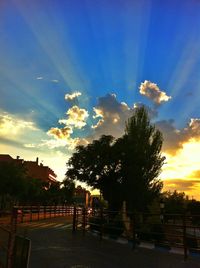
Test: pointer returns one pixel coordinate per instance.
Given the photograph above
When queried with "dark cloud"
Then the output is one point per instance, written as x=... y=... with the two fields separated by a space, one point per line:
x=111 y=116
x=181 y=185
x=175 y=138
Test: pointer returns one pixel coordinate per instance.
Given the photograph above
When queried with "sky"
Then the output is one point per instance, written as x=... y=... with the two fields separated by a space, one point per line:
x=71 y=71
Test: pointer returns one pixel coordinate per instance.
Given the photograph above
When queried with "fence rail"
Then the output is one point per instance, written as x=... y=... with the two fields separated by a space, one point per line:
x=20 y=214
x=171 y=231
x=31 y=213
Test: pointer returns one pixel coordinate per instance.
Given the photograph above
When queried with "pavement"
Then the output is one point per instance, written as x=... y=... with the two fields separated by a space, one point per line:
x=55 y=246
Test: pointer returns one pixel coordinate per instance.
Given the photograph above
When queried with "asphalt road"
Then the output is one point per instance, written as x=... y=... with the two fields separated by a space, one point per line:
x=54 y=246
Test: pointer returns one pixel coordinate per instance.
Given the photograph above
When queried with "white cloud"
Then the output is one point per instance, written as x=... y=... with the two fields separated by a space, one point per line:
x=153 y=92
x=72 y=96
x=12 y=125
x=76 y=117
x=68 y=143
x=29 y=145
x=54 y=81
x=98 y=113
x=39 y=78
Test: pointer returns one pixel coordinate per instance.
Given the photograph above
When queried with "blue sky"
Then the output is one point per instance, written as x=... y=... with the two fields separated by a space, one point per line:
x=98 y=48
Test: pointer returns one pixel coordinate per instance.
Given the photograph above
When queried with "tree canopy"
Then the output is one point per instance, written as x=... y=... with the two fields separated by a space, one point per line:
x=17 y=188
x=125 y=168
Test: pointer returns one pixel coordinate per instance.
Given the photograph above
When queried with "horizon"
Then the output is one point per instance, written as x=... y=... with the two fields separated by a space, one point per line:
x=71 y=72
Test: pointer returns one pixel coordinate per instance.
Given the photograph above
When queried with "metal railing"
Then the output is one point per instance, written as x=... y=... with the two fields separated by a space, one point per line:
x=18 y=215
x=172 y=231
x=32 y=213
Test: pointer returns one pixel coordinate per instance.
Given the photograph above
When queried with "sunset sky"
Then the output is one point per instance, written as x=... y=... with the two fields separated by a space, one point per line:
x=71 y=70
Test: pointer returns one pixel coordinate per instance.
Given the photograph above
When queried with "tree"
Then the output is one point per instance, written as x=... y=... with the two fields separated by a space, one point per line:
x=67 y=190
x=97 y=164
x=175 y=202
x=143 y=160
x=122 y=169
x=12 y=183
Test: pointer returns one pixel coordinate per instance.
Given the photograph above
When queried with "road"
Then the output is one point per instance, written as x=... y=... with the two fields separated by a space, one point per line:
x=54 y=246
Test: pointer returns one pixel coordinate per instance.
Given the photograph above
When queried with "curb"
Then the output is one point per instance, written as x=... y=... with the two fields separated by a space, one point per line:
x=148 y=245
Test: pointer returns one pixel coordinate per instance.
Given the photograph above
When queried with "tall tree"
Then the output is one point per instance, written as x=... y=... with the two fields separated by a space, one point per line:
x=142 y=161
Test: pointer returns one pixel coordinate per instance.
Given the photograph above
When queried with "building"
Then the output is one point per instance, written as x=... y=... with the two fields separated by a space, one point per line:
x=81 y=196
x=33 y=168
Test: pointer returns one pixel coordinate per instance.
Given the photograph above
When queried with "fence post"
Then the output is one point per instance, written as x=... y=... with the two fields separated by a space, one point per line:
x=74 y=220
x=11 y=242
x=83 y=219
x=133 y=231
x=38 y=213
x=45 y=212
x=54 y=211
x=101 y=223
x=50 y=207
x=21 y=211
x=31 y=213
x=184 y=237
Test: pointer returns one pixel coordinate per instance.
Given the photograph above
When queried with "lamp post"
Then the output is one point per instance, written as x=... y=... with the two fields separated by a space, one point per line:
x=162 y=207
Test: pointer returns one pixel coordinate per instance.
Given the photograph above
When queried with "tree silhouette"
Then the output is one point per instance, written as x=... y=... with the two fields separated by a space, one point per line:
x=97 y=164
x=122 y=169
x=142 y=160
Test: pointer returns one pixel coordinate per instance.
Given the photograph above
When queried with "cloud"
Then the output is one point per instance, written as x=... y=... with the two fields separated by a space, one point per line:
x=11 y=125
x=195 y=174
x=60 y=133
x=111 y=115
x=174 y=139
x=54 y=81
x=152 y=91
x=68 y=143
x=172 y=136
x=76 y=117
x=182 y=185
x=39 y=78
x=70 y=97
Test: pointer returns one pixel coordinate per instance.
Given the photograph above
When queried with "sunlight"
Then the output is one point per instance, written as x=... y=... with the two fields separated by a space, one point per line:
x=48 y=32
x=182 y=170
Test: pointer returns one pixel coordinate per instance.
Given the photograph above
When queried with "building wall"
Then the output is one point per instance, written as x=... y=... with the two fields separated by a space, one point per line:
x=33 y=168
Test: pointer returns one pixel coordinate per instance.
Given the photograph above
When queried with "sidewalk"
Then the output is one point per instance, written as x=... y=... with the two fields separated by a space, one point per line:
x=57 y=247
